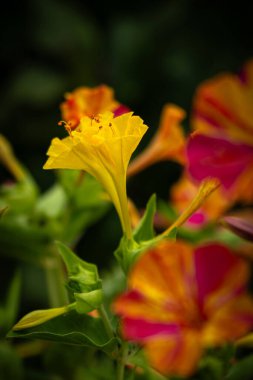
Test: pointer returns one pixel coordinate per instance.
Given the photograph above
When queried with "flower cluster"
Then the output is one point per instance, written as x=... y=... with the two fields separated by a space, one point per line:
x=187 y=288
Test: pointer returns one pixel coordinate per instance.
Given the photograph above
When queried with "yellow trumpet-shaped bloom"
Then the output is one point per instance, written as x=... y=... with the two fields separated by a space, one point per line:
x=102 y=146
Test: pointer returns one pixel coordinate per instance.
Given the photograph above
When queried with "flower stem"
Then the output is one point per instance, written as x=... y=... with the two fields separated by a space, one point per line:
x=108 y=326
x=55 y=282
x=122 y=361
x=10 y=161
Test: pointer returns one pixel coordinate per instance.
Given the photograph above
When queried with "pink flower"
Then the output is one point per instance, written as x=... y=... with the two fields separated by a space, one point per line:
x=222 y=146
x=181 y=300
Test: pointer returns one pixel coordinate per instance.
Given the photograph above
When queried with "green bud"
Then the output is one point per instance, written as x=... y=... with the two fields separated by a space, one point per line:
x=86 y=302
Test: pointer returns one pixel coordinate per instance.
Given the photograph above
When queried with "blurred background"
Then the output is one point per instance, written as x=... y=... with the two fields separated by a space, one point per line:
x=150 y=52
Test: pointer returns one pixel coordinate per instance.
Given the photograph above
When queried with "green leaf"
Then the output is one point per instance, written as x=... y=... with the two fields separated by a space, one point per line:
x=13 y=298
x=52 y=203
x=145 y=231
x=24 y=240
x=86 y=302
x=83 y=189
x=84 y=282
x=166 y=209
x=72 y=328
x=20 y=196
x=171 y=235
x=86 y=204
x=79 y=271
x=242 y=370
x=2 y=211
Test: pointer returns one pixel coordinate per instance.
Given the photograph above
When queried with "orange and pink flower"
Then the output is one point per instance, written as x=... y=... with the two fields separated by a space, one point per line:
x=181 y=300
x=90 y=101
x=185 y=190
x=168 y=143
x=222 y=144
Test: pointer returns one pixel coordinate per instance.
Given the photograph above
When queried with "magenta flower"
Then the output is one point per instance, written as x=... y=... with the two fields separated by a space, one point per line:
x=222 y=146
x=181 y=300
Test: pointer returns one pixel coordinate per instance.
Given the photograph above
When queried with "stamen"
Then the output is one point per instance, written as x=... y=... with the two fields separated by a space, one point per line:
x=110 y=125
x=67 y=125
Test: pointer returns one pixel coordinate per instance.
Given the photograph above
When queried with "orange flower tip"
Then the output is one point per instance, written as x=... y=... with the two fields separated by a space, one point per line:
x=176 y=111
x=194 y=134
x=210 y=183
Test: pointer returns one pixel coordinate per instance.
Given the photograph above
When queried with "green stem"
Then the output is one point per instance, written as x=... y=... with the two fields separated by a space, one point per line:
x=108 y=326
x=55 y=282
x=122 y=361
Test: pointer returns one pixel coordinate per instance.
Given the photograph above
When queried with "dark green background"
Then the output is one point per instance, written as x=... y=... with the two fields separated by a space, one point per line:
x=150 y=52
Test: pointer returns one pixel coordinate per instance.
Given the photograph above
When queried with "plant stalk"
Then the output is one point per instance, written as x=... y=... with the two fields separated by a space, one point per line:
x=122 y=361
x=108 y=326
x=55 y=282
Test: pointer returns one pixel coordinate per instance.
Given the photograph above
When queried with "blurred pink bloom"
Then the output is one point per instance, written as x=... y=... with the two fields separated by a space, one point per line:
x=181 y=300
x=222 y=146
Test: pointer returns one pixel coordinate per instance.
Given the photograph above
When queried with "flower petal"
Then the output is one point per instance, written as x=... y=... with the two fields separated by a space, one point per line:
x=88 y=101
x=134 y=305
x=168 y=143
x=213 y=264
x=217 y=158
x=141 y=330
x=176 y=355
x=223 y=105
x=230 y=322
x=159 y=274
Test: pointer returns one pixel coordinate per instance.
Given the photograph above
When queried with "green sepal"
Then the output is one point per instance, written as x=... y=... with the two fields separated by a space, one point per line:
x=83 y=276
x=72 y=328
x=243 y=369
x=128 y=251
x=86 y=302
x=167 y=211
x=171 y=235
x=145 y=230
x=144 y=238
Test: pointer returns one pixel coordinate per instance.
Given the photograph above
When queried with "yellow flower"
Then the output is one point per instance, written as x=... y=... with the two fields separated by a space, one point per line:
x=102 y=146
